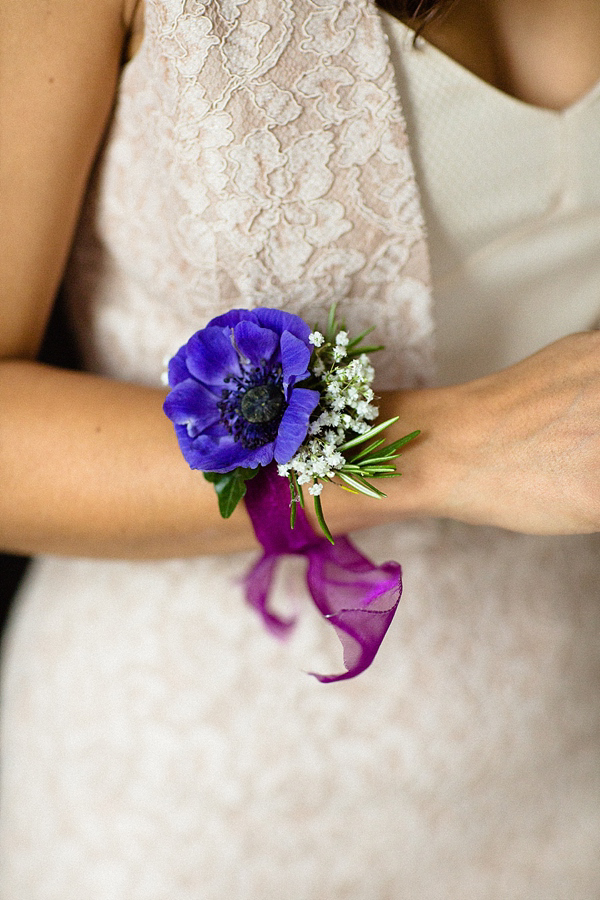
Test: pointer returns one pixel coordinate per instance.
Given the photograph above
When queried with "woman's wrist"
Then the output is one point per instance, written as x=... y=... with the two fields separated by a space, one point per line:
x=518 y=449
x=422 y=489
x=419 y=492
x=91 y=467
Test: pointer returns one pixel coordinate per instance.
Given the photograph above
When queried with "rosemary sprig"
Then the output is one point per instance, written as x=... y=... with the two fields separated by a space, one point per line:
x=340 y=370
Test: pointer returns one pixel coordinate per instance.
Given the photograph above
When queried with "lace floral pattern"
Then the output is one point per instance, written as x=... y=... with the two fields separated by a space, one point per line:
x=259 y=150
x=156 y=742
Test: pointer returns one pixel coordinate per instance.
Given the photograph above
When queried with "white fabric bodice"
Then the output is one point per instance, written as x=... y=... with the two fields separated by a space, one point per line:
x=253 y=162
x=511 y=197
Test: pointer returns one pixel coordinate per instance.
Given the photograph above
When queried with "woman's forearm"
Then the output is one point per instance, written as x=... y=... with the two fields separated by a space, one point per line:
x=91 y=467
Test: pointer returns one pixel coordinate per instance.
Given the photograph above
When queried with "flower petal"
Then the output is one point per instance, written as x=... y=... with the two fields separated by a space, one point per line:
x=211 y=357
x=222 y=453
x=280 y=321
x=178 y=370
x=231 y=318
x=295 y=356
x=293 y=427
x=190 y=403
x=256 y=343
x=196 y=451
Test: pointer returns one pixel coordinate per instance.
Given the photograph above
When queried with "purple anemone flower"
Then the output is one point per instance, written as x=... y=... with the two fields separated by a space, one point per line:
x=234 y=400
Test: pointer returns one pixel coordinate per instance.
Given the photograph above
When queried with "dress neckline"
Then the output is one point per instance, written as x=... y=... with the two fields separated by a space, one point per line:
x=587 y=97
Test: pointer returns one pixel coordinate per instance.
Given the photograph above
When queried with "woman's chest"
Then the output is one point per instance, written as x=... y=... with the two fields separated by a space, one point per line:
x=545 y=54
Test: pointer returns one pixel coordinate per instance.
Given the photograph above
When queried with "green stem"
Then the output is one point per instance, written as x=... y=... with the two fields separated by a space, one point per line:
x=321 y=519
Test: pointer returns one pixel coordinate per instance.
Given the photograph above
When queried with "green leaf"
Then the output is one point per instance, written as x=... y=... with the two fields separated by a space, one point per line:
x=368 y=434
x=321 y=520
x=361 y=486
x=359 y=338
x=350 y=490
x=230 y=487
x=371 y=348
x=402 y=441
x=213 y=476
x=384 y=459
x=370 y=472
x=366 y=450
x=239 y=472
x=301 y=497
x=230 y=492
x=389 y=451
x=378 y=457
x=297 y=489
x=331 y=324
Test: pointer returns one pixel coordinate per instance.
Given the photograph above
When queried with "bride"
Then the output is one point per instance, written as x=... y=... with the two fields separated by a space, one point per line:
x=170 y=160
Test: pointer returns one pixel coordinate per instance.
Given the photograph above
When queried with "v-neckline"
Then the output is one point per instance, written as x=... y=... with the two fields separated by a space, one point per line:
x=453 y=64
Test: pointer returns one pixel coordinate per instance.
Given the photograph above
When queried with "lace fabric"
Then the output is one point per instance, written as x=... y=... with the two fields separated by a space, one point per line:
x=257 y=156
x=157 y=742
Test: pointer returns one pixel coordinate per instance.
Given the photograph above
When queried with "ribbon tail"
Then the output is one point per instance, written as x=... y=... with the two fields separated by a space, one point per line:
x=357 y=597
x=257 y=584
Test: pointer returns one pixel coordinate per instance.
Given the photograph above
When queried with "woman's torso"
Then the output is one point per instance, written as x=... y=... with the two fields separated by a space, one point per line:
x=158 y=742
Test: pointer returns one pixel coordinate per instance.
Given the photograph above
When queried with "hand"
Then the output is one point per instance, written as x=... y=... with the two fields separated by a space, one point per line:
x=521 y=448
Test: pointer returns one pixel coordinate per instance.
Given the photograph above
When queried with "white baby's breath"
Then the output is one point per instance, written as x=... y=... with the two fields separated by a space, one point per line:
x=345 y=409
x=337 y=445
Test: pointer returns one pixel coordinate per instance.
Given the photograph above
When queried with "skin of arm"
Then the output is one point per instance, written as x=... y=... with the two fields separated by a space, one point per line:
x=68 y=453
x=91 y=467
x=88 y=466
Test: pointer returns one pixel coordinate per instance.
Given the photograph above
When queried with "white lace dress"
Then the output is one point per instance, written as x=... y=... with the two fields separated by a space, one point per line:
x=157 y=743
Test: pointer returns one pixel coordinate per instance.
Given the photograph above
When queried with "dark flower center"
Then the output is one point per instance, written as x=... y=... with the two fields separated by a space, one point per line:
x=262 y=403
x=252 y=406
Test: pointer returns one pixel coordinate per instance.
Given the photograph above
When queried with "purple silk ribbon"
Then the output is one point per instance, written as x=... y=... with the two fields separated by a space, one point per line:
x=357 y=597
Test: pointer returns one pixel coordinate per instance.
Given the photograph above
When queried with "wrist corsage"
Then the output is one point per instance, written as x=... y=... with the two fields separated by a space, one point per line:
x=262 y=406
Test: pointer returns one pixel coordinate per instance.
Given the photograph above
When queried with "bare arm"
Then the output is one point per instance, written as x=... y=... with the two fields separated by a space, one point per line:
x=519 y=449
x=85 y=463
x=89 y=466
x=92 y=467
x=59 y=62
